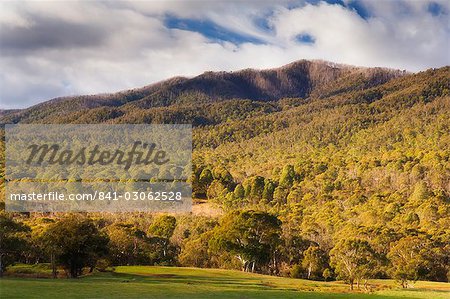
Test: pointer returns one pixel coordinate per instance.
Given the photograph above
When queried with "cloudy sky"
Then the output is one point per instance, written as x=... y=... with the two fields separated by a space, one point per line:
x=57 y=48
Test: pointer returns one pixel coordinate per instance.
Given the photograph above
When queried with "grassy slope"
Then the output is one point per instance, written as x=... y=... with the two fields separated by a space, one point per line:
x=170 y=282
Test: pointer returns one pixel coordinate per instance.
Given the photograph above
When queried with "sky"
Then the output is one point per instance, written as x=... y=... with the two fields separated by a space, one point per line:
x=50 y=49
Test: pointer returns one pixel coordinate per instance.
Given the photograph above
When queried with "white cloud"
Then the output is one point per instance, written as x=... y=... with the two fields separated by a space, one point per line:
x=95 y=47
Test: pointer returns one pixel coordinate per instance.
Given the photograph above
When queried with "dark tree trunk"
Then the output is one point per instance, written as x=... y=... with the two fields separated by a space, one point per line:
x=52 y=260
x=1 y=265
x=73 y=270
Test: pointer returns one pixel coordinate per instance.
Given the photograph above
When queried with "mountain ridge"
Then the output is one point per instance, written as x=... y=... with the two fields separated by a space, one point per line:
x=297 y=79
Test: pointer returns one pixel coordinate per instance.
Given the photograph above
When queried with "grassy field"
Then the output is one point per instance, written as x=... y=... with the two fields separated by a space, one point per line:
x=169 y=282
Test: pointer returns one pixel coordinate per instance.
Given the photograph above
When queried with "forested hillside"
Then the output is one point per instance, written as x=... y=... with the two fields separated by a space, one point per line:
x=316 y=166
x=299 y=79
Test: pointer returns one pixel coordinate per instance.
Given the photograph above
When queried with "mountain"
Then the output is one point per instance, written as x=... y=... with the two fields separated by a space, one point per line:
x=300 y=79
x=253 y=121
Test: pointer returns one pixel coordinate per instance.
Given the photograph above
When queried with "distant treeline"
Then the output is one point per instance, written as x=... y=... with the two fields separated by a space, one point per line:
x=254 y=241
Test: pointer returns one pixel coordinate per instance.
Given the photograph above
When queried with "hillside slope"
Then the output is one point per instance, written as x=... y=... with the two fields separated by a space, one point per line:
x=299 y=79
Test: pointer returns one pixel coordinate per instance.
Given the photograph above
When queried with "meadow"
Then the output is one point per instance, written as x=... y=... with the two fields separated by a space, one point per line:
x=173 y=282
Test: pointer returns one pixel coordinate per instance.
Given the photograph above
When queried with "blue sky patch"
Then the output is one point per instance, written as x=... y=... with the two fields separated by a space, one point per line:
x=316 y=2
x=359 y=8
x=354 y=5
x=263 y=22
x=435 y=9
x=340 y=2
x=305 y=38
x=210 y=30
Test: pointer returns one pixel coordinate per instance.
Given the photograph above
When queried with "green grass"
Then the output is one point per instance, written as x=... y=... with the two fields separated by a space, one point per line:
x=38 y=271
x=185 y=283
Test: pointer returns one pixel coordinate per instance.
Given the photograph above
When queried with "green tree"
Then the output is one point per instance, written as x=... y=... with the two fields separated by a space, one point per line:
x=279 y=195
x=160 y=232
x=252 y=236
x=257 y=189
x=163 y=226
x=410 y=259
x=195 y=253
x=127 y=244
x=205 y=179
x=287 y=176
x=269 y=189
x=12 y=243
x=217 y=190
x=420 y=193
x=353 y=260
x=327 y=274
x=224 y=176
x=77 y=243
x=314 y=261
x=239 y=192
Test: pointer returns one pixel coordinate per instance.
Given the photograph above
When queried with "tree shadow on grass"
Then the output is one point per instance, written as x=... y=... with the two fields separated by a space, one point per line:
x=218 y=282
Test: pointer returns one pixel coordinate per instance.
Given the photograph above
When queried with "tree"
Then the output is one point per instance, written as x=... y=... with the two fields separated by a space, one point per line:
x=195 y=253
x=11 y=242
x=420 y=193
x=353 y=259
x=216 y=190
x=160 y=233
x=293 y=246
x=224 y=176
x=257 y=189
x=205 y=179
x=163 y=226
x=410 y=258
x=296 y=271
x=127 y=244
x=314 y=261
x=239 y=192
x=269 y=189
x=287 y=176
x=252 y=236
x=76 y=243
x=327 y=274
x=279 y=195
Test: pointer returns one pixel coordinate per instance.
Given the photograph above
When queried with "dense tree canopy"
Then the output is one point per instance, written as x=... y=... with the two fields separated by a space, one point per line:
x=76 y=243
